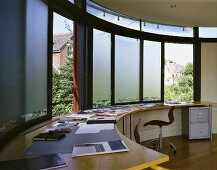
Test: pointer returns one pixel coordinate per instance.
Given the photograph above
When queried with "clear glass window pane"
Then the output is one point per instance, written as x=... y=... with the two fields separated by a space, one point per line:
x=208 y=32
x=72 y=1
x=167 y=29
x=151 y=71
x=62 y=85
x=101 y=68
x=112 y=16
x=178 y=80
x=126 y=69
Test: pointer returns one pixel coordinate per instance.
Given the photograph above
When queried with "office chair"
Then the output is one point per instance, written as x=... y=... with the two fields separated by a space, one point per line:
x=159 y=123
x=137 y=136
x=136 y=132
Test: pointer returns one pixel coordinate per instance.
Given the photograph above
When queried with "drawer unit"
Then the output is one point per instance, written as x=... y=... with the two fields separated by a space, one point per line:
x=196 y=122
x=199 y=115
x=199 y=131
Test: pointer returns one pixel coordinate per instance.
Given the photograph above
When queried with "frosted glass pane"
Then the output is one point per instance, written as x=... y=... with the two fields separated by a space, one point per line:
x=23 y=64
x=126 y=69
x=208 y=32
x=36 y=57
x=101 y=66
x=152 y=70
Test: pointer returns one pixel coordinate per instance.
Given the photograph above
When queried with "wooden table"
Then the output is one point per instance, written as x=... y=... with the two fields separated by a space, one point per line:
x=139 y=157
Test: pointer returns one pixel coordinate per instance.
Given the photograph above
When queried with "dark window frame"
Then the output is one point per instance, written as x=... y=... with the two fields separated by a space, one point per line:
x=70 y=11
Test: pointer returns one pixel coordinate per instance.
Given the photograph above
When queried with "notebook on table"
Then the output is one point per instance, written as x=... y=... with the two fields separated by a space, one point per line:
x=43 y=162
x=96 y=148
x=49 y=136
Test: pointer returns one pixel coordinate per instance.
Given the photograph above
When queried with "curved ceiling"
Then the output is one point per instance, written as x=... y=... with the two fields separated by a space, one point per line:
x=172 y=12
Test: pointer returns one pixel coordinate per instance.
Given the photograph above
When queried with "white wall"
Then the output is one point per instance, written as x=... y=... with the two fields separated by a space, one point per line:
x=209 y=72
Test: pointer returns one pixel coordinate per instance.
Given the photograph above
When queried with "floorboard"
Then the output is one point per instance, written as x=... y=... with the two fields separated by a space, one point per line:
x=191 y=154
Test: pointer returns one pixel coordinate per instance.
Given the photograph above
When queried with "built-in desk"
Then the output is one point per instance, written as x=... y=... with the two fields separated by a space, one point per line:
x=126 y=121
x=139 y=157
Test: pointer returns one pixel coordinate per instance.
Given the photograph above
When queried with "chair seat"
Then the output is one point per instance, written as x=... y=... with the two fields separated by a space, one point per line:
x=158 y=123
x=161 y=122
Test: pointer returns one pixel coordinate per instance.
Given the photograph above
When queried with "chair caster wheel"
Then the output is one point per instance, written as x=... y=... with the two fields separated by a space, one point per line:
x=173 y=149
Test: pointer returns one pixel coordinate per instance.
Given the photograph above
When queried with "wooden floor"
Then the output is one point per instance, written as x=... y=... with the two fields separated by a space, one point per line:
x=191 y=154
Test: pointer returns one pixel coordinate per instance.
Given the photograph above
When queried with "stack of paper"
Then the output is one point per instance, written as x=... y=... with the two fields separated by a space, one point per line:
x=80 y=116
x=94 y=128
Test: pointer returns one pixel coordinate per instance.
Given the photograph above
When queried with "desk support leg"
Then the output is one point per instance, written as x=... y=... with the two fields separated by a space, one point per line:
x=130 y=127
x=210 y=122
x=123 y=126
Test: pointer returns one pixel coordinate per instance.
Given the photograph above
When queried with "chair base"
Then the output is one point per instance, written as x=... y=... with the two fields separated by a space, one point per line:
x=158 y=144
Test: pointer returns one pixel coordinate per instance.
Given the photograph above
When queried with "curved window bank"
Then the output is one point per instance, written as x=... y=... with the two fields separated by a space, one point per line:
x=26 y=91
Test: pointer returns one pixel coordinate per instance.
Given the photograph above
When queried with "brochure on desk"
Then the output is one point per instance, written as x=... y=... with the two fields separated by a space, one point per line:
x=51 y=161
x=99 y=148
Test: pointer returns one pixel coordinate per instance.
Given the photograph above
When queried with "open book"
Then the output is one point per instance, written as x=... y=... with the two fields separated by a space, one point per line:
x=99 y=148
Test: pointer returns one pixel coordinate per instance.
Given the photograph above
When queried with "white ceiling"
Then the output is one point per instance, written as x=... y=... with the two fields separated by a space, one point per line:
x=186 y=12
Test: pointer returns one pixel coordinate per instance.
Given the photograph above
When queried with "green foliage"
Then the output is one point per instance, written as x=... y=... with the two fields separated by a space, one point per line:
x=35 y=115
x=151 y=98
x=101 y=103
x=127 y=100
x=188 y=69
x=62 y=89
x=183 y=89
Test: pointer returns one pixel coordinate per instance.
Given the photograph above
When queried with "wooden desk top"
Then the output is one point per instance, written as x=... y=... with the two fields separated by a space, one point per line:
x=139 y=157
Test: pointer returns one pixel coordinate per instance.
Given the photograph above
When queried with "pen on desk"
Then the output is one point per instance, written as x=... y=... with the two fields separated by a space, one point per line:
x=61 y=121
x=86 y=144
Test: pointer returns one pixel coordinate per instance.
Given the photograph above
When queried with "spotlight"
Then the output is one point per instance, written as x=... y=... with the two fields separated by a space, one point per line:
x=173 y=6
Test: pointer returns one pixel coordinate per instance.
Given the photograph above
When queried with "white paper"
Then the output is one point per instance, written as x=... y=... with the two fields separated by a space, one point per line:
x=82 y=116
x=94 y=128
x=89 y=149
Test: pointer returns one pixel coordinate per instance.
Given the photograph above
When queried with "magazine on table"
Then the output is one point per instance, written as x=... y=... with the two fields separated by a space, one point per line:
x=96 y=148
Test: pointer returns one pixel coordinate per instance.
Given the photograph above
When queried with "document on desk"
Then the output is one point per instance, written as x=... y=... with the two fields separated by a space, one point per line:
x=81 y=116
x=99 y=148
x=51 y=161
x=94 y=128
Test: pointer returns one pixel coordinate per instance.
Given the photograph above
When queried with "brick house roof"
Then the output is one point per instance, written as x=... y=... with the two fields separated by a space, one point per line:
x=59 y=40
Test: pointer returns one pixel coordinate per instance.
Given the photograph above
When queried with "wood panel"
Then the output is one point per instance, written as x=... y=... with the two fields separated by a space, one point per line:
x=192 y=154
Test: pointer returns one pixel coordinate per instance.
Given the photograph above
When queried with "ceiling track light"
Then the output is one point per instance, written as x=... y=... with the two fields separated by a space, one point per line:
x=157 y=25
x=104 y=14
x=118 y=18
x=183 y=28
x=173 y=6
x=144 y=24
